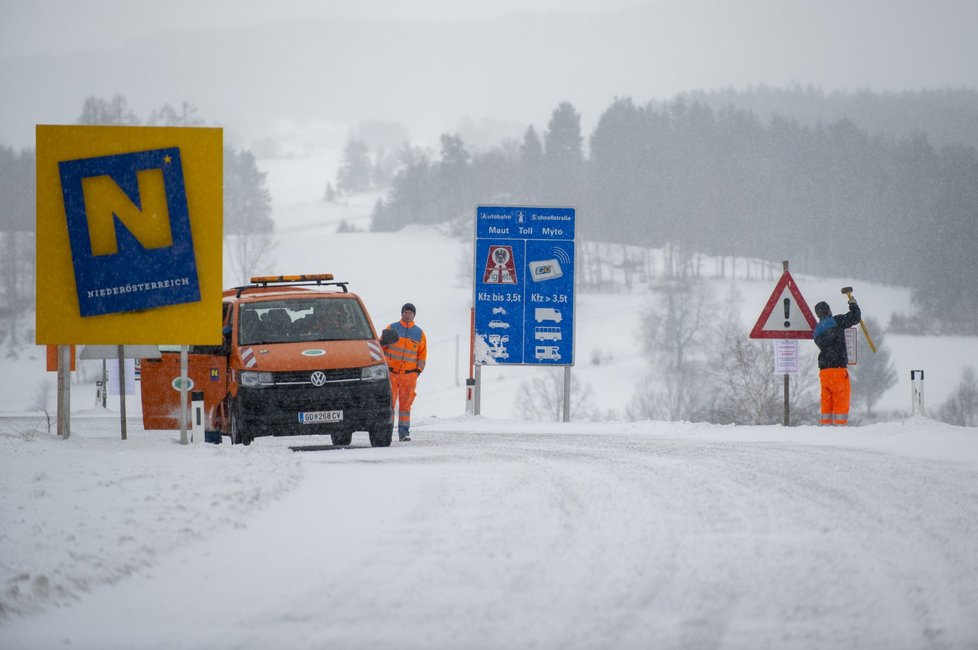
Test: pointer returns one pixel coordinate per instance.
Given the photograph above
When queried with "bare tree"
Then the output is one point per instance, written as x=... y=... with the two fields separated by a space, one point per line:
x=170 y=116
x=246 y=253
x=113 y=111
x=542 y=398
x=745 y=388
x=962 y=407
x=675 y=340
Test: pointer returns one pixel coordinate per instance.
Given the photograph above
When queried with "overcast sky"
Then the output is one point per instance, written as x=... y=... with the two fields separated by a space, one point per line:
x=254 y=66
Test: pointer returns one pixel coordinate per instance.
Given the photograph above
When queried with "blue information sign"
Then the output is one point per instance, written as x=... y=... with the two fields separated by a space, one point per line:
x=524 y=285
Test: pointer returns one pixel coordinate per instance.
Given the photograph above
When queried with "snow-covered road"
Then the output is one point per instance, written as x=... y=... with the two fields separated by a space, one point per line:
x=566 y=540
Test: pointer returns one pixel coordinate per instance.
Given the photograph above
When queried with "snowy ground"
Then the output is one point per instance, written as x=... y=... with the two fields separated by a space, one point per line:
x=488 y=531
x=488 y=534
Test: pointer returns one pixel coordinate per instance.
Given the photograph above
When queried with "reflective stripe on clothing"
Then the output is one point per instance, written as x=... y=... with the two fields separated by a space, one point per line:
x=402 y=397
x=410 y=351
x=835 y=396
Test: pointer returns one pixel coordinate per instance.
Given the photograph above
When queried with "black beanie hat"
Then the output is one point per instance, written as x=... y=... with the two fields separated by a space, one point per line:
x=409 y=307
x=822 y=309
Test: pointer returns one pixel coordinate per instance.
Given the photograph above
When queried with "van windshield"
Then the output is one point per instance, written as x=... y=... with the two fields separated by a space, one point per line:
x=297 y=320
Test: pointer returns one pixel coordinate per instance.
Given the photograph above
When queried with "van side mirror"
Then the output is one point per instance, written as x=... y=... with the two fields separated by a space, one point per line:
x=388 y=336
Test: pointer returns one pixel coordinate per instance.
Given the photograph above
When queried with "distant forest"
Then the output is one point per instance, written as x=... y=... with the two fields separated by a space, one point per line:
x=866 y=193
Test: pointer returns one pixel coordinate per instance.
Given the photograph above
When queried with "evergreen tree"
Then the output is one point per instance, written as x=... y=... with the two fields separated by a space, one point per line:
x=409 y=197
x=874 y=373
x=531 y=167
x=355 y=168
x=247 y=201
x=17 y=196
x=453 y=181
x=247 y=213
x=564 y=156
x=17 y=241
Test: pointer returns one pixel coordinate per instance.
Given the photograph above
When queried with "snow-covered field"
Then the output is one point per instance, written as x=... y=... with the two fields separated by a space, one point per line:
x=488 y=531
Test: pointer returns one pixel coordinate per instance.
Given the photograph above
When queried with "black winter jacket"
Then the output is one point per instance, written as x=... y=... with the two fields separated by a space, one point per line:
x=830 y=338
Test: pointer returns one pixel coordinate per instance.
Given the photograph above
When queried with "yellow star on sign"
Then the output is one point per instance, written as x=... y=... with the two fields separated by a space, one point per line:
x=167 y=160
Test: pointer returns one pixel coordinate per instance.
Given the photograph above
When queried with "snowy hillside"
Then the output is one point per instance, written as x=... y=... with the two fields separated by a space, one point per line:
x=426 y=266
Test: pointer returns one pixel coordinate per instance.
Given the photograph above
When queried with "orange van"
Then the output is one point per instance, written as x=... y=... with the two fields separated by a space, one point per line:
x=300 y=356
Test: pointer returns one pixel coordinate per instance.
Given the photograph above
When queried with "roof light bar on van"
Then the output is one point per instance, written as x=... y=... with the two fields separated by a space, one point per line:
x=290 y=283
x=315 y=277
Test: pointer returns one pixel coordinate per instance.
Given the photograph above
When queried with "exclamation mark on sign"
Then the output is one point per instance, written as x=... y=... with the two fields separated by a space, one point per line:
x=787 y=312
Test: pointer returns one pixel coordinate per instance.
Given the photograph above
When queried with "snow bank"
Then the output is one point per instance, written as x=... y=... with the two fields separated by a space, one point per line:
x=93 y=509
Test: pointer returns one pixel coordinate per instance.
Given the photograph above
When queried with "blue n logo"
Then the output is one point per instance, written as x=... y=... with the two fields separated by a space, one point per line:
x=129 y=229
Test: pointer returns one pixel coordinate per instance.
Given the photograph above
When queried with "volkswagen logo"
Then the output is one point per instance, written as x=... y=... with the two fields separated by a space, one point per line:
x=318 y=378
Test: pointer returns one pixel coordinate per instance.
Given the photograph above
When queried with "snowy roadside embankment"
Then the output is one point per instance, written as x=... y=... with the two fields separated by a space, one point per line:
x=90 y=510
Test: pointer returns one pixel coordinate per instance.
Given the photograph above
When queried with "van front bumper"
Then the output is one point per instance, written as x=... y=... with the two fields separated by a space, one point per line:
x=274 y=410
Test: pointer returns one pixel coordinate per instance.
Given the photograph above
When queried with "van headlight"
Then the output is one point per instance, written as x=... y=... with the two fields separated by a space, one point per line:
x=374 y=373
x=250 y=379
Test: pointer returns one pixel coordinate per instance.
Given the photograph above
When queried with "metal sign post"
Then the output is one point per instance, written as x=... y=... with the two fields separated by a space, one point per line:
x=183 y=394
x=64 y=391
x=786 y=363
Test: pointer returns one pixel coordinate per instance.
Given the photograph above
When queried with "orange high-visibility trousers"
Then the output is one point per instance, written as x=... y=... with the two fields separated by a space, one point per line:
x=402 y=397
x=835 y=395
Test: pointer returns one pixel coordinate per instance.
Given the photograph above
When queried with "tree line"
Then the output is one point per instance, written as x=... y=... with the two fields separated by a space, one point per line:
x=830 y=197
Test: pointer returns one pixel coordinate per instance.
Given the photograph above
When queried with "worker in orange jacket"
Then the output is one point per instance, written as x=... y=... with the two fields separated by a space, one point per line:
x=833 y=361
x=406 y=361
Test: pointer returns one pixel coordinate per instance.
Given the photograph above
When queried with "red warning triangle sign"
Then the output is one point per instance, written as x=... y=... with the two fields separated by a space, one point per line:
x=786 y=314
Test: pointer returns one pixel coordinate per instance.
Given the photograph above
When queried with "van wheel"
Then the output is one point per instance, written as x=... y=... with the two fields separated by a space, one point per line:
x=381 y=434
x=238 y=437
x=341 y=439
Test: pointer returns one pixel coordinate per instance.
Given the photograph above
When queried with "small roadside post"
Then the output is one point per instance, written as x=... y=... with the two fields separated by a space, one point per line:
x=916 y=392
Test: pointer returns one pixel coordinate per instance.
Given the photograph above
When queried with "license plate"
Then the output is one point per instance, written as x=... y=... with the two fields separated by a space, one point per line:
x=317 y=417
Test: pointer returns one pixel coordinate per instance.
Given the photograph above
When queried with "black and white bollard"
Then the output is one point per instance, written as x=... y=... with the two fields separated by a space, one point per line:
x=197 y=416
x=470 y=396
x=917 y=392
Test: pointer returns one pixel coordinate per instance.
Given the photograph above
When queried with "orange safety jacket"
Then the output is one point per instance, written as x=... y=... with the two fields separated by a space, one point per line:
x=410 y=351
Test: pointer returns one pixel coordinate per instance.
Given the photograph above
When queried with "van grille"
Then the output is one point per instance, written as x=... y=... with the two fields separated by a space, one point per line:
x=303 y=377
